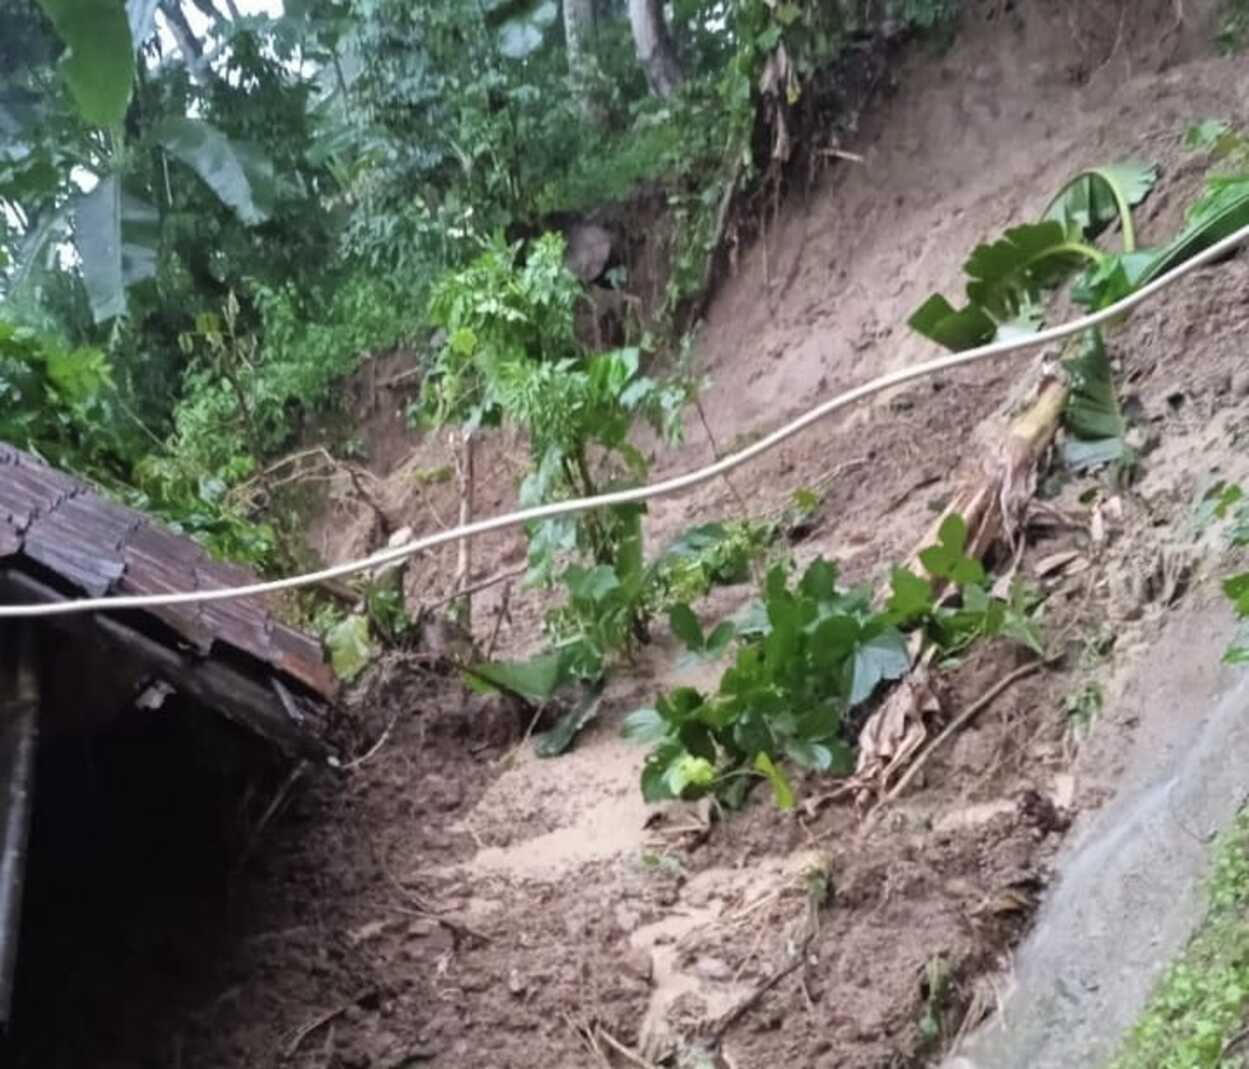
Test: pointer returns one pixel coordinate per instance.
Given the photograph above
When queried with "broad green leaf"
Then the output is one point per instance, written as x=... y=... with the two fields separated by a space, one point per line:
x=947 y=559
x=1222 y=211
x=1010 y=274
x=782 y=792
x=697 y=739
x=240 y=177
x=1095 y=198
x=655 y=785
x=140 y=239
x=1205 y=134
x=590 y=584
x=1237 y=590
x=751 y=732
x=685 y=626
x=559 y=738
x=911 y=598
x=884 y=656
x=349 y=646
x=809 y=754
x=680 y=705
x=721 y=635
x=687 y=773
x=1092 y=414
x=535 y=680
x=834 y=640
x=1113 y=279
x=117 y=237
x=98 y=65
x=956 y=329
x=97 y=235
x=644 y=726
x=819 y=581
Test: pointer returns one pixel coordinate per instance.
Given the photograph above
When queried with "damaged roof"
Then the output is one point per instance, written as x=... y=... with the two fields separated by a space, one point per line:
x=59 y=539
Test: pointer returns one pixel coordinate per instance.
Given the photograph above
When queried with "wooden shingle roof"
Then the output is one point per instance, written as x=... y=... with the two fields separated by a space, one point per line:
x=60 y=539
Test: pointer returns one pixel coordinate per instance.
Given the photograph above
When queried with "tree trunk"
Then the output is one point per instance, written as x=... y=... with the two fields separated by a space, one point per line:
x=184 y=37
x=655 y=49
x=579 y=35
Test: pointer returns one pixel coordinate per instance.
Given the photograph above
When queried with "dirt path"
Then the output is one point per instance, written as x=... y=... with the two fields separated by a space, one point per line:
x=453 y=898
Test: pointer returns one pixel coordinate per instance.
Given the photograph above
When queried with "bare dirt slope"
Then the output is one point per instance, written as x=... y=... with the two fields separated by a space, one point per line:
x=453 y=899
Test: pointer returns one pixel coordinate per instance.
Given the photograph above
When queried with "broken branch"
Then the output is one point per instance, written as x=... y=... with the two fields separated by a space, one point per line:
x=960 y=721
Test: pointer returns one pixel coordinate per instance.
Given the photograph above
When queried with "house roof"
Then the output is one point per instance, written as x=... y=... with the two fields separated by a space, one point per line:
x=65 y=540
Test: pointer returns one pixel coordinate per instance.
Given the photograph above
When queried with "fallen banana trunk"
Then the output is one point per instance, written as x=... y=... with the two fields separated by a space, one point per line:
x=994 y=504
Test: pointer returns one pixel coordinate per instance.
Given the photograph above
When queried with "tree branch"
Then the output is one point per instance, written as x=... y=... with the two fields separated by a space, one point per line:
x=188 y=44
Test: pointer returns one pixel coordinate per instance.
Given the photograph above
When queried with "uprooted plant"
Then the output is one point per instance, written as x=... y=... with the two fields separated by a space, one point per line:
x=807 y=655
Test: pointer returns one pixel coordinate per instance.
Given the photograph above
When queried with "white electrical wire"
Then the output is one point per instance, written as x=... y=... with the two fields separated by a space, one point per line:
x=643 y=493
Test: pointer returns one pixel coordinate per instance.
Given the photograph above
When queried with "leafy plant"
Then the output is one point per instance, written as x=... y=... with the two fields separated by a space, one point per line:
x=705 y=556
x=1082 y=706
x=1009 y=278
x=510 y=354
x=349 y=646
x=814 y=654
x=1233 y=31
x=1093 y=415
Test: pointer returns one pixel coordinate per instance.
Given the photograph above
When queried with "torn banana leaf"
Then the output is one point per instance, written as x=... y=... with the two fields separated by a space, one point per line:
x=1007 y=280
x=1092 y=200
x=1222 y=211
x=1093 y=417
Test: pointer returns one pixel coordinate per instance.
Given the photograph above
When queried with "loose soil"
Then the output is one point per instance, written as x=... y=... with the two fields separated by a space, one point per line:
x=447 y=896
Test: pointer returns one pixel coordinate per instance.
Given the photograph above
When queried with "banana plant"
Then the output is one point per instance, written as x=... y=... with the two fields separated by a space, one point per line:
x=1009 y=279
x=114 y=229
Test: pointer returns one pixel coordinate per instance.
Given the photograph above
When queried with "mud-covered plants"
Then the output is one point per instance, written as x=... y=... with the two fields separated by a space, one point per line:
x=805 y=657
x=1098 y=431
x=1228 y=505
x=817 y=651
x=379 y=620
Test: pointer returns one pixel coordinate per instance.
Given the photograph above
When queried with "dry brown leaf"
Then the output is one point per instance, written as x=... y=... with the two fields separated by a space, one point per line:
x=895 y=732
x=1056 y=562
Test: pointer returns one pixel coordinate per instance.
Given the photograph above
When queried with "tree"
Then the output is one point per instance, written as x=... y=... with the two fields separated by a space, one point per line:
x=578 y=36
x=655 y=49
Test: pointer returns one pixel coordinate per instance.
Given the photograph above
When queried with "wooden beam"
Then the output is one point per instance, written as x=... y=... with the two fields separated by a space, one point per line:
x=19 y=719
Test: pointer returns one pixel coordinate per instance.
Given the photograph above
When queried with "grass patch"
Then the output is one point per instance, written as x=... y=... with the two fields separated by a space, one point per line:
x=1200 y=1003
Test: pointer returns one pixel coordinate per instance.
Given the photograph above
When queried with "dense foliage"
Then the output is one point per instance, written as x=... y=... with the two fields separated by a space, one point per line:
x=230 y=209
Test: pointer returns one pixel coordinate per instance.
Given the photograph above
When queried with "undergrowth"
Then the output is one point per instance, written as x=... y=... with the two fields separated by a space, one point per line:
x=1199 y=1006
x=807 y=655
